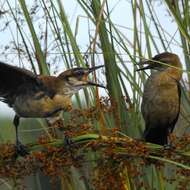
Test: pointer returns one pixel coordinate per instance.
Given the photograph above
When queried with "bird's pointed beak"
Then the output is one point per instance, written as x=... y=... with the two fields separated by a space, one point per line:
x=150 y=65
x=95 y=84
x=90 y=70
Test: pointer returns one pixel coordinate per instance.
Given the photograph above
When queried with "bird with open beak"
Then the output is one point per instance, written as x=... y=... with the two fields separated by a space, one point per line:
x=33 y=96
x=161 y=98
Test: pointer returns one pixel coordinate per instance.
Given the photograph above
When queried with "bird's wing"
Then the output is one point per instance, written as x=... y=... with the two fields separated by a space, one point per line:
x=12 y=80
x=50 y=84
x=179 y=105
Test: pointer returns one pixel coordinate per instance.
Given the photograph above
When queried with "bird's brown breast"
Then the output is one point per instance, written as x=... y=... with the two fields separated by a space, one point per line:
x=161 y=99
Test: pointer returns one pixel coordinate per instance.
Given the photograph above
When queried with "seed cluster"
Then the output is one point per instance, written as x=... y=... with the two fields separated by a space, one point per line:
x=113 y=159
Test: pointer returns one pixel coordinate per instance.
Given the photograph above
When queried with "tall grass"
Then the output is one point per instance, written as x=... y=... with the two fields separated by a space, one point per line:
x=46 y=40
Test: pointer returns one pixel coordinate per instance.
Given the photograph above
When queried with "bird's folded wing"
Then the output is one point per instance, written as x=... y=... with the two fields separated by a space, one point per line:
x=179 y=103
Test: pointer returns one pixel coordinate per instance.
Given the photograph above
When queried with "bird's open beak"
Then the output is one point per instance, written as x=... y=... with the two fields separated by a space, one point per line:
x=150 y=65
x=90 y=70
x=95 y=84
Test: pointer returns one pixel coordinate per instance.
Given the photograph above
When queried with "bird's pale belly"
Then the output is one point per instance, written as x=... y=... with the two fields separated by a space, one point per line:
x=43 y=107
x=163 y=104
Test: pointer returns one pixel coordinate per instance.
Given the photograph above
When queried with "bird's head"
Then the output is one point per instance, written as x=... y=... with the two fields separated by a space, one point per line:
x=161 y=62
x=77 y=78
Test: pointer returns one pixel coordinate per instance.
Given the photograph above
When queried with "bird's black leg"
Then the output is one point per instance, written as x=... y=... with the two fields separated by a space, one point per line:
x=20 y=148
x=169 y=144
x=67 y=141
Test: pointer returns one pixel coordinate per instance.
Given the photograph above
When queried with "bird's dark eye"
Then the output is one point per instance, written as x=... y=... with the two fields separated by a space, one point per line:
x=79 y=72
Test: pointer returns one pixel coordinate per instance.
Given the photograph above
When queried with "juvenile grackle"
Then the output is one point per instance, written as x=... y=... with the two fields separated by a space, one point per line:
x=33 y=96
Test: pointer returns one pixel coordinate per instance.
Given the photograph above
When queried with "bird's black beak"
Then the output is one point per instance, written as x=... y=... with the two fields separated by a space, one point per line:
x=90 y=70
x=95 y=84
x=150 y=65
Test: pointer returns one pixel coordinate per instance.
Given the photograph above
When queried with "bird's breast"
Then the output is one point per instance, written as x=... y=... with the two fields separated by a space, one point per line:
x=160 y=99
x=33 y=106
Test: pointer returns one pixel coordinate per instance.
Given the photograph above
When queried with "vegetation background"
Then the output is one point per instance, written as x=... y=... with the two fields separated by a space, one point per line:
x=104 y=124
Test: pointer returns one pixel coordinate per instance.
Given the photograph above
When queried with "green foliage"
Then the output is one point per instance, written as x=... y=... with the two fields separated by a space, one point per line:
x=117 y=115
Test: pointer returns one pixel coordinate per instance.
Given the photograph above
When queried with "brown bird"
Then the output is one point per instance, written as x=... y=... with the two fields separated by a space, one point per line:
x=40 y=96
x=161 y=98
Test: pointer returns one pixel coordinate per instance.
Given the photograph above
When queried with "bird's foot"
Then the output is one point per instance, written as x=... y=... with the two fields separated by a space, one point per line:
x=68 y=142
x=21 y=149
x=168 y=146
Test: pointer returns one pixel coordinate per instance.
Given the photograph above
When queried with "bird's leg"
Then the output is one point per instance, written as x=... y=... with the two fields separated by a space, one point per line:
x=67 y=141
x=169 y=145
x=20 y=148
x=68 y=144
x=169 y=137
x=57 y=120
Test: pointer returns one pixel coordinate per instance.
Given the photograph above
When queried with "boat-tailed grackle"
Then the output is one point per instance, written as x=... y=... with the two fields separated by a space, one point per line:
x=161 y=98
x=37 y=96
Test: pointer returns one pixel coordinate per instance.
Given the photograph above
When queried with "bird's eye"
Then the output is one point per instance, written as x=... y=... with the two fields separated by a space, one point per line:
x=79 y=72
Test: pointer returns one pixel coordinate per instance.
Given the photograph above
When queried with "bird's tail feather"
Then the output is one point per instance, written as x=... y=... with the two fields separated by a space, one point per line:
x=156 y=135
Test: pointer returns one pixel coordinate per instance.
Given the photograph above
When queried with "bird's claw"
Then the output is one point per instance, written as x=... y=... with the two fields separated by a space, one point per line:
x=168 y=146
x=67 y=141
x=21 y=149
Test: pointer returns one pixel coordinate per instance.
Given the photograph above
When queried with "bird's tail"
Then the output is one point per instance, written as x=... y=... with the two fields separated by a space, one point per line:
x=156 y=135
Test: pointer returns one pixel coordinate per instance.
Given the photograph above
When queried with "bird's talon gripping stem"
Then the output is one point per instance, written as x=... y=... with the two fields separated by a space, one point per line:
x=168 y=146
x=21 y=149
x=67 y=141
